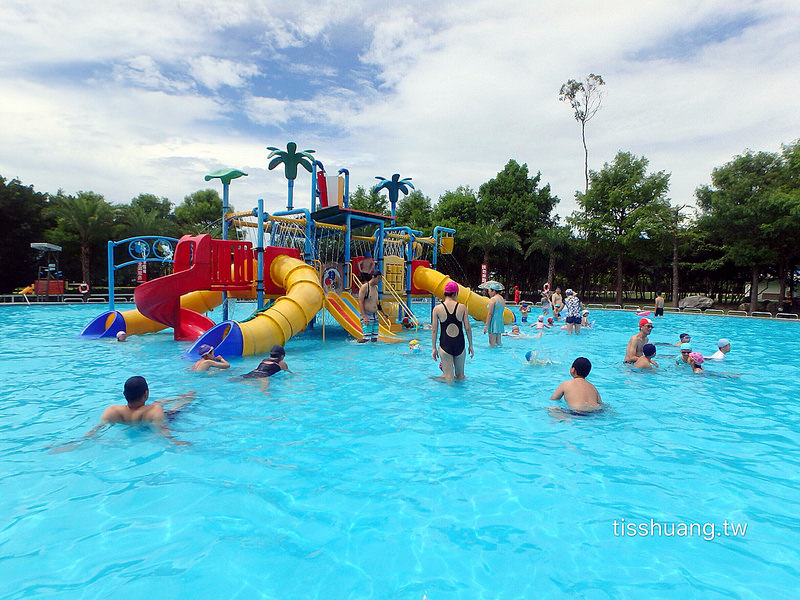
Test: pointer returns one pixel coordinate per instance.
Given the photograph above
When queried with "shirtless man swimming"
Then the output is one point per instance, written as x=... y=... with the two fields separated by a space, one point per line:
x=136 y=410
x=581 y=396
x=637 y=341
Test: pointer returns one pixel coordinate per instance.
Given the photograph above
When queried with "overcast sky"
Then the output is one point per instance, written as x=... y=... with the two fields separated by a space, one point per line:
x=123 y=98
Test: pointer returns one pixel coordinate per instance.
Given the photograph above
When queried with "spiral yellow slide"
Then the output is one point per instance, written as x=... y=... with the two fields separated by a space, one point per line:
x=291 y=313
x=477 y=306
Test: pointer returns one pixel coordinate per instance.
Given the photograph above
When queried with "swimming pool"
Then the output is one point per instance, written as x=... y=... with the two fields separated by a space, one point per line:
x=360 y=477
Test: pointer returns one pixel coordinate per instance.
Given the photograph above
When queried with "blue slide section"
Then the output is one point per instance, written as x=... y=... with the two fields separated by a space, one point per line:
x=98 y=328
x=225 y=337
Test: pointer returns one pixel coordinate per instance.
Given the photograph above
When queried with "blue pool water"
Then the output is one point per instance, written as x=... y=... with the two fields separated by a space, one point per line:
x=361 y=477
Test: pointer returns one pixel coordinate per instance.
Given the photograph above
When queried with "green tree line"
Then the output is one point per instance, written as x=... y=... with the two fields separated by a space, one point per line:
x=625 y=238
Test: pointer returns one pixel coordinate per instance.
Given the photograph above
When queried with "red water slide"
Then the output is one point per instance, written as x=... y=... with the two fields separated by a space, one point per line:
x=201 y=263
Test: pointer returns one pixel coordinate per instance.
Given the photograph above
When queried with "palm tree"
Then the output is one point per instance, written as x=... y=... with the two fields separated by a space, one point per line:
x=291 y=158
x=549 y=241
x=394 y=186
x=491 y=237
x=89 y=217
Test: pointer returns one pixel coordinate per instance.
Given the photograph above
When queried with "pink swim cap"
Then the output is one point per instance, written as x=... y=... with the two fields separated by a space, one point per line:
x=697 y=357
x=451 y=287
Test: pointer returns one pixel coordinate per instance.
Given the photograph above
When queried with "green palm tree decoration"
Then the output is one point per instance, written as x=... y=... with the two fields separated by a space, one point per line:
x=394 y=186
x=491 y=237
x=290 y=158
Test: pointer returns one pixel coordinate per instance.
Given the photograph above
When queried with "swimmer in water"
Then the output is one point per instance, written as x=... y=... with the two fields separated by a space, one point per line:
x=696 y=360
x=541 y=325
x=724 y=346
x=514 y=331
x=208 y=360
x=122 y=336
x=582 y=397
x=414 y=347
x=686 y=350
x=269 y=367
x=646 y=361
x=136 y=392
x=634 y=349
x=685 y=338
x=533 y=359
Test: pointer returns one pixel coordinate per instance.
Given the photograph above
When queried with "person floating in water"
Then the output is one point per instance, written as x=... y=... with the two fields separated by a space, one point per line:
x=647 y=360
x=137 y=410
x=207 y=359
x=122 y=336
x=634 y=349
x=582 y=397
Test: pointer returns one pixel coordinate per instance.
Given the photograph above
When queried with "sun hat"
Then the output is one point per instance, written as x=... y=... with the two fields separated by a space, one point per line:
x=568 y=292
x=495 y=286
x=644 y=321
x=586 y=312
x=723 y=342
x=205 y=349
x=696 y=357
x=451 y=287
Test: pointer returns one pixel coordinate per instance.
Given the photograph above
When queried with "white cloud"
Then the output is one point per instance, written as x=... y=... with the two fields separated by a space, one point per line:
x=216 y=72
x=459 y=89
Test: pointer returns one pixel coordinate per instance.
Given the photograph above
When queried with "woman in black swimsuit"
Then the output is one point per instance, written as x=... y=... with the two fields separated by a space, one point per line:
x=269 y=366
x=453 y=319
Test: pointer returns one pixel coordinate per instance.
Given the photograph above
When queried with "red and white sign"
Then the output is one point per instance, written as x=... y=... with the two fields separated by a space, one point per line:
x=484 y=273
x=141 y=272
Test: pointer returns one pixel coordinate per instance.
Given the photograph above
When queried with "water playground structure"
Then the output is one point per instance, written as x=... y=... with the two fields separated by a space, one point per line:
x=301 y=262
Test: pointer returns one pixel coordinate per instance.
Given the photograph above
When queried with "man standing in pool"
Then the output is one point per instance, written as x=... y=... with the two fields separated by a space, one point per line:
x=637 y=341
x=659 y=302
x=368 y=307
x=581 y=396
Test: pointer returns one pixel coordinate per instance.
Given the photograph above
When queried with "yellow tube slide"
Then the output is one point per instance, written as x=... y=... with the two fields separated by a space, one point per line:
x=136 y=323
x=477 y=306
x=291 y=313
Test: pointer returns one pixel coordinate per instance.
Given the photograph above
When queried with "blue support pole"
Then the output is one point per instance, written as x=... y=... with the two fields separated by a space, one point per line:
x=225 y=208
x=110 y=275
x=260 y=250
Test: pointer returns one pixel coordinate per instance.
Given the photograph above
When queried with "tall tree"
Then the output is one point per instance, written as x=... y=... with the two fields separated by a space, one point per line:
x=368 y=201
x=585 y=98
x=745 y=210
x=200 y=212
x=24 y=221
x=415 y=211
x=291 y=159
x=516 y=197
x=549 y=242
x=86 y=217
x=492 y=237
x=146 y=215
x=622 y=202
